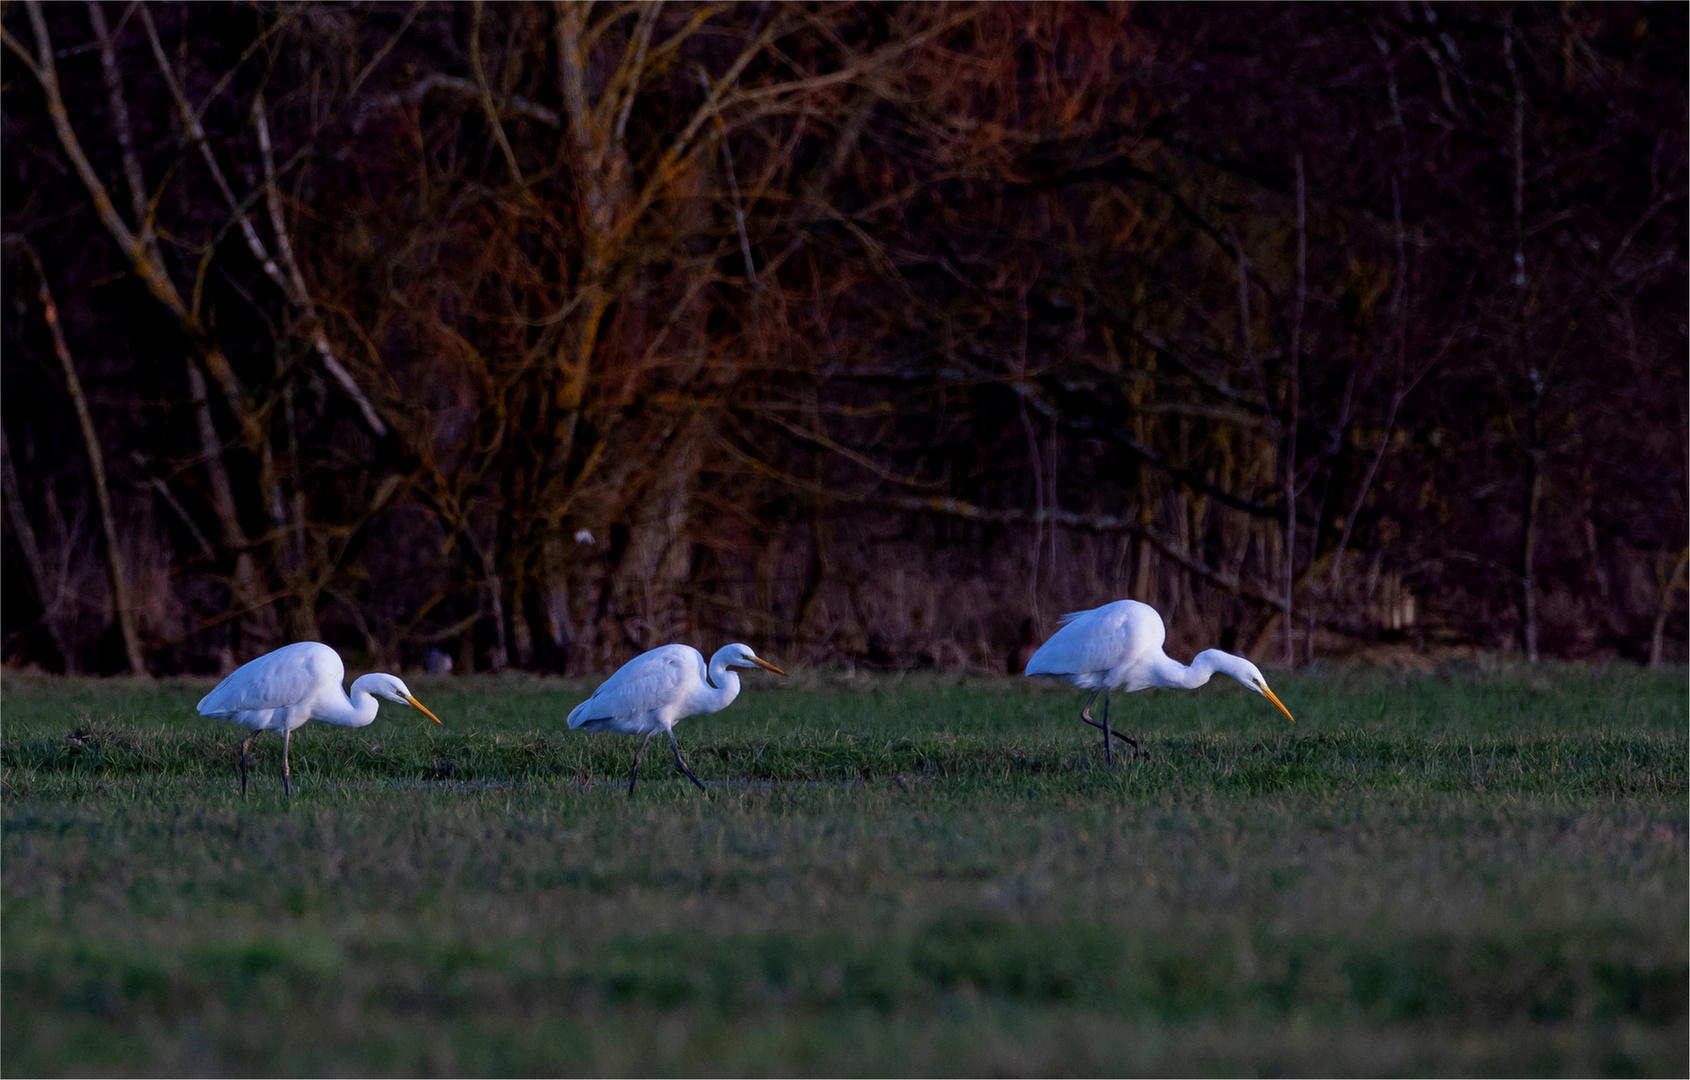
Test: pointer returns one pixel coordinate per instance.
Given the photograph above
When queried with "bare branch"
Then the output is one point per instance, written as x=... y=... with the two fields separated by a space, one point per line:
x=487 y=95
x=300 y=294
x=116 y=573
x=119 y=106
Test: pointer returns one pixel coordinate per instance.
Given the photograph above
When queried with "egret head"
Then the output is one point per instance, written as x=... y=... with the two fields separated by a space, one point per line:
x=1251 y=675
x=742 y=657
x=393 y=688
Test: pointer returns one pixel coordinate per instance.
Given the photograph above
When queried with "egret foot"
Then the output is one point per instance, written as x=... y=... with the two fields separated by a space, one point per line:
x=244 y=747
x=1138 y=747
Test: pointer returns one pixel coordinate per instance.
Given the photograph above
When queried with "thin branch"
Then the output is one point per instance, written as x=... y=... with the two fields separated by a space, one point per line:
x=117 y=574
x=121 y=126
x=196 y=134
x=301 y=295
x=733 y=189
x=487 y=94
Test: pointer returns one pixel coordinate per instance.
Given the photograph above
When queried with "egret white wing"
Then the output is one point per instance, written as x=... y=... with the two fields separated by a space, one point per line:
x=1099 y=640
x=276 y=680
x=649 y=681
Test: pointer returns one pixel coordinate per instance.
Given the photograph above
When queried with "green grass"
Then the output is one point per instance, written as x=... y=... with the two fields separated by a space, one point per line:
x=1474 y=874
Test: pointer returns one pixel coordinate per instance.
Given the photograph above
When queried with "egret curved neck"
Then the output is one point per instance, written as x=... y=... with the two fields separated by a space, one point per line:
x=1177 y=676
x=724 y=683
x=358 y=710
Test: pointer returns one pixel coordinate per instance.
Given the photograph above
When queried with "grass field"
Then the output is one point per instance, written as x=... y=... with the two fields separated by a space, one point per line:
x=1480 y=873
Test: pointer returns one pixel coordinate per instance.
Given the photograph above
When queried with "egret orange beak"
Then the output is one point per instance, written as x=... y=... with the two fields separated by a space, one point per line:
x=1271 y=696
x=765 y=665
x=417 y=705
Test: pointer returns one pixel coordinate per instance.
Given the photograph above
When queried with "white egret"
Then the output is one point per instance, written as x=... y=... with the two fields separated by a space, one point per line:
x=655 y=689
x=1119 y=647
x=284 y=690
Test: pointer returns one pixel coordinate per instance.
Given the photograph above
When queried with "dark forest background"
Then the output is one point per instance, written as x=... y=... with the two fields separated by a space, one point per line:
x=534 y=335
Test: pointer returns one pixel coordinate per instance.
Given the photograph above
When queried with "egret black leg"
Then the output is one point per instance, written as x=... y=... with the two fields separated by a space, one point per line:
x=287 y=774
x=1108 y=747
x=1128 y=739
x=682 y=762
x=1108 y=731
x=244 y=746
x=1085 y=713
x=634 y=778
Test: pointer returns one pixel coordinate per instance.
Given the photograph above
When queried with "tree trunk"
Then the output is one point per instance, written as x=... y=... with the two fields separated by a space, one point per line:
x=1534 y=447
x=122 y=607
x=1669 y=589
x=245 y=588
x=24 y=533
x=1528 y=549
x=1294 y=392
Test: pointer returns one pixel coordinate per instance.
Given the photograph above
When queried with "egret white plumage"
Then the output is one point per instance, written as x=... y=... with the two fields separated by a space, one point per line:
x=284 y=690
x=1119 y=647
x=655 y=689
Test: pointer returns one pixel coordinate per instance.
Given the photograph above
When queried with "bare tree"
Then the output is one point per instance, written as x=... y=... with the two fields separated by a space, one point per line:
x=540 y=332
